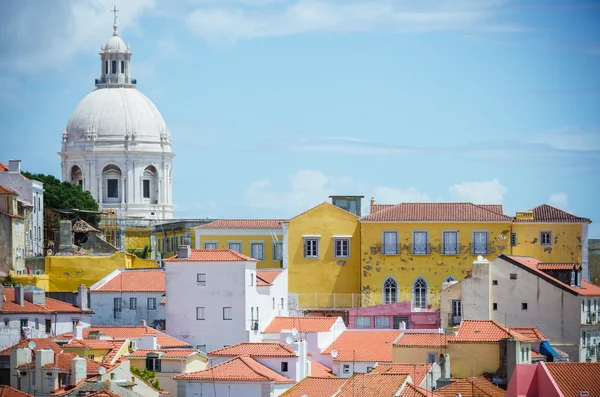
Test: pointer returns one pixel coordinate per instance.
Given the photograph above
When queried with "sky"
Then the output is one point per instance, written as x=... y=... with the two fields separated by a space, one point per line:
x=274 y=105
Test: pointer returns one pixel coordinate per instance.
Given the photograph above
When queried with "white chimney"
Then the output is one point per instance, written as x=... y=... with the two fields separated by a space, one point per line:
x=184 y=252
x=78 y=332
x=78 y=370
x=143 y=322
x=19 y=295
x=302 y=370
x=82 y=297
x=43 y=357
x=14 y=166
x=445 y=366
x=147 y=342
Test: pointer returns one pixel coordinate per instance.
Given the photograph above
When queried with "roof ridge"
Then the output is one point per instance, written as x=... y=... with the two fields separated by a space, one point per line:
x=244 y=358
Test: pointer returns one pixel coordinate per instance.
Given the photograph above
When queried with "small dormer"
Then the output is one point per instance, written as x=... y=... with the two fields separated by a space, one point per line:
x=524 y=215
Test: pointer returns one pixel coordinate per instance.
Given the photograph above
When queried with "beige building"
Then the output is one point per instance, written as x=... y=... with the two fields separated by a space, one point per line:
x=12 y=231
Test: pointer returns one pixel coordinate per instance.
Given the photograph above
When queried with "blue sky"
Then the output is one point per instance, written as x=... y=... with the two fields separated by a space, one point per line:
x=274 y=105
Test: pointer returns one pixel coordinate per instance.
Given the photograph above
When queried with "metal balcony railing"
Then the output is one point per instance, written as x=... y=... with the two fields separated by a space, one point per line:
x=390 y=249
x=115 y=80
x=420 y=249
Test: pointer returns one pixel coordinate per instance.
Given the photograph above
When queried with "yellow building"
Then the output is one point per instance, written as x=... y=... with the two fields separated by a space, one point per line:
x=167 y=236
x=261 y=239
x=323 y=257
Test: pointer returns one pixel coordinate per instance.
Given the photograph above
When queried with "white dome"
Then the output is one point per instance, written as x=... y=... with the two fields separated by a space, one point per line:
x=116 y=44
x=112 y=113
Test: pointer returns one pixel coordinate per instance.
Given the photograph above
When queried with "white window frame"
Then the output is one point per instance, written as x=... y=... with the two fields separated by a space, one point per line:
x=153 y=305
x=392 y=297
x=201 y=279
x=378 y=323
x=486 y=250
x=549 y=233
x=420 y=252
x=200 y=313
x=422 y=302
x=360 y=324
x=277 y=252
x=396 y=247
x=260 y=244
x=227 y=313
x=341 y=241
x=132 y=303
x=317 y=241
x=456 y=250
x=210 y=243
x=239 y=243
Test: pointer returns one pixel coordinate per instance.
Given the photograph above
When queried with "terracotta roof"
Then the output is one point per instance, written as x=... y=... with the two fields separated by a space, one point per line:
x=364 y=346
x=558 y=266
x=372 y=385
x=471 y=387
x=113 y=347
x=103 y=393
x=529 y=263
x=243 y=224
x=131 y=332
x=143 y=280
x=63 y=361
x=3 y=167
x=530 y=332
x=265 y=277
x=319 y=370
x=5 y=190
x=425 y=339
x=174 y=353
x=417 y=372
x=484 y=331
x=493 y=207
x=571 y=377
x=411 y=390
x=312 y=386
x=240 y=369
x=302 y=324
x=437 y=212
x=7 y=391
x=204 y=255
x=40 y=343
x=255 y=349
x=52 y=305
x=380 y=207
x=547 y=213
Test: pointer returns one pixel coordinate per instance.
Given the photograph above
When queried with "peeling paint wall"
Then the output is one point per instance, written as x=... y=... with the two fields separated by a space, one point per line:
x=566 y=244
x=137 y=238
x=594 y=260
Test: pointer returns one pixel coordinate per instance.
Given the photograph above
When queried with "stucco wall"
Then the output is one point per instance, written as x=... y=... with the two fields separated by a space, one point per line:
x=473 y=359
x=6 y=243
x=594 y=260
x=566 y=241
x=230 y=389
x=103 y=305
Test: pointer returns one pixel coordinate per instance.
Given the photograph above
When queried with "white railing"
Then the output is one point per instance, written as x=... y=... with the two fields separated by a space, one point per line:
x=306 y=300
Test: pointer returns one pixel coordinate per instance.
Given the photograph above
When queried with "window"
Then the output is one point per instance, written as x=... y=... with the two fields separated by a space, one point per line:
x=513 y=239
x=105 y=67
x=133 y=303
x=494 y=282
x=277 y=250
x=151 y=303
x=210 y=246
x=24 y=322
x=226 y=313
x=37 y=323
x=362 y=322
x=117 y=307
x=311 y=248
x=450 y=243
x=199 y=313
x=524 y=306
x=201 y=348
x=257 y=251
x=346 y=368
x=6 y=322
x=153 y=362
x=522 y=354
x=91 y=356
x=112 y=188
x=494 y=306
x=546 y=238
x=342 y=248
x=431 y=357
x=284 y=366
x=449 y=279
x=146 y=188
x=513 y=276
x=480 y=242
x=390 y=291
x=400 y=319
x=252 y=279
x=201 y=279
x=237 y=247
x=420 y=243
x=113 y=67
x=48 y=326
x=122 y=66
x=456 y=308
x=382 y=322
x=390 y=243
x=420 y=293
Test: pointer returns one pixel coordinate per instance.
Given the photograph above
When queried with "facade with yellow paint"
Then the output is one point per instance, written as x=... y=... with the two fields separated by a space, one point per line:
x=261 y=239
x=167 y=236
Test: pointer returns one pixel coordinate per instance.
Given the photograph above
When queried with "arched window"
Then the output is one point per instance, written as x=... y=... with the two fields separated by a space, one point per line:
x=390 y=291
x=111 y=180
x=420 y=293
x=449 y=279
x=77 y=176
x=149 y=185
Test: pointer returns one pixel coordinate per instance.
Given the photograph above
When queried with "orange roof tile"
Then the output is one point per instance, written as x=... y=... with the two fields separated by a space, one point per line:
x=411 y=390
x=267 y=276
x=380 y=207
x=493 y=207
x=313 y=386
x=52 y=305
x=364 y=346
x=5 y=190
x=63 y=361
x=437 y=212
x=471 y=387
x=7 y=391
x=204 y=255
x=319 y=370
x=238 y=369
x=302 y=324
x=548 y=214
x=135 y=280
x=372 y=385
x=484 y=331
x=255 y=349
x=558 y=266
x=243 y=224
x=530 y=332
x=40 y=343
x=174 y=353
x=103 y=393
x=571 y=377
x=131 y=332
x=3 y=167
x=417 y=372
x=424 y=339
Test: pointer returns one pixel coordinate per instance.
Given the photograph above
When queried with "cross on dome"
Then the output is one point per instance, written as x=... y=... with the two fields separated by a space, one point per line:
x=115 y=11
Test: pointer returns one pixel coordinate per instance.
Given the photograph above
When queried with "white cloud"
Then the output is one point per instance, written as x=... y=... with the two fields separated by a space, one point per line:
x=574 y=138
x=485 y=192
x=390 y=195
x=351 y=146
x=559 y=200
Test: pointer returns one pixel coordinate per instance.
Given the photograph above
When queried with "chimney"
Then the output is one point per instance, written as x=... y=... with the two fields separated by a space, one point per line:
x=78 y=370
x=19 y=295
x=35 y=296
x=14 y=166
x=184 y=252
x=82 y=297
x=372 y=201
x=302 y=370
x=43 y=357
x=18 y=357
x=445 y=366
x=143 y=322
x=78 y=332
x=147 y=342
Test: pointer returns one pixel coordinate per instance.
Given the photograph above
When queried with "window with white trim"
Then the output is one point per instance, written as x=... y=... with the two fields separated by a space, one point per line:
x=342 y=247
x=277 y=250
x=390 y=243
x=200 y=313
x=450 y=242
x=133 y=303
x=257 y=251
x=201 y=279
x=420 y=293
x=227 y=313
x=420 y=242
x=210 y=246
x=546 y=238
x=236 y=246
x=390 y=291
x=362 y=322
x=480 y=243
x=311 y=247
x=382 y=322
x=151 y=303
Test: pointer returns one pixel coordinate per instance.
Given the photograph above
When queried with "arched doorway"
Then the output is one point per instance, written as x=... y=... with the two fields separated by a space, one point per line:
x=150 y=185
x=77 y=176
x=111 y=183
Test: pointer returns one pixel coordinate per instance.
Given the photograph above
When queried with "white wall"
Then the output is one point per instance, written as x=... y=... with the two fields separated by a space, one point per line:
x=103 y=304
x=217 y=389
x=353 y=367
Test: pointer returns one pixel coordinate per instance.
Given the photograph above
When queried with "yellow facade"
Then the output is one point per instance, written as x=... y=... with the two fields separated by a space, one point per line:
x=565 y=246
x=269 y=260
x=473 y=359
x=168 y=241
x=410 y=355
x=137 y=238
x=41 y=281
x=320 y=277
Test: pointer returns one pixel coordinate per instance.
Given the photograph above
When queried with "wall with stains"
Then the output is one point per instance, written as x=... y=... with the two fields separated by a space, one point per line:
x=566 y=241
x=326 y=274
x=137 y=238
x=594 y=260
x=434 y=267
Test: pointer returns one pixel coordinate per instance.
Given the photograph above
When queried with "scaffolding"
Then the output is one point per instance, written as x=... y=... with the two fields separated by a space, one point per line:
x=109 y=228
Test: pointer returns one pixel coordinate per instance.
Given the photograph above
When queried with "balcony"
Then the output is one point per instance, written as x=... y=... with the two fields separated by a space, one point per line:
x=390 y=249
x=480 y=249
x=420 y=249
x=115 y=80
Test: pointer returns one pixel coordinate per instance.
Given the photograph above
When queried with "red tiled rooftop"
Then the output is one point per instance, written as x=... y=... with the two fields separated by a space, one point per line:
x=425 y=339
x=5 y=190
x=440 y=212
x=302 y=324
x=380 y=207
x=372 y=385
x=205 y=255
x=240 y=369
x=255 y=349
x=558 y=266
x=40 y=343
x=417 y=372
x=548 y=214
x=52 y=305
x=171 y=353
x=471 y=387
x=7 y=391
x=265 y=277
x=364 y=346
x=530 y=332
x=484 y=331
x=572 y=377
x=244 y=224
x=131 y=332
x=410 y=390
x=63 y=362
x=319 y=370
x=314 y=386
x=146 y=280
x=103 y=393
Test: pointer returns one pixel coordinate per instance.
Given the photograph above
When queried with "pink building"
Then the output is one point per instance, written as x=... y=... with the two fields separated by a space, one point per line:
x=555 y=379
x=391 y=315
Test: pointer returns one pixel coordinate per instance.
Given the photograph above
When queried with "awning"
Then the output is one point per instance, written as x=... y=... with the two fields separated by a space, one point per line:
x=311 y=235
x=548 y=350
x=342 y=236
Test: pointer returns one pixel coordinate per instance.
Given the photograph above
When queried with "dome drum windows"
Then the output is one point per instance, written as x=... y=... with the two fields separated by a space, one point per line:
x=111 y=183
x=77 y=176
x=150 y=185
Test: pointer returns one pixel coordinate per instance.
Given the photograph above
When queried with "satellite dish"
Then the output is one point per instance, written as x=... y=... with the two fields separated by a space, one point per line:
x=289 y=340
x=101 y=370
x=334 y=353
x=31 y=345
x=294 y=331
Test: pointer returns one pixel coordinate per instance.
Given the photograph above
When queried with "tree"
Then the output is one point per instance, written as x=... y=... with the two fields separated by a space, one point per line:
x=147 y=376
x=64 y=195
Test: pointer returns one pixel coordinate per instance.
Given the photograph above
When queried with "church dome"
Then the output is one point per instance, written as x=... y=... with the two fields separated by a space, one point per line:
x=116 y=44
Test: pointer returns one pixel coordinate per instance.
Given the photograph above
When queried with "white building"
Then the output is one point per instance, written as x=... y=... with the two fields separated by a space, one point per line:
x=522 y=291
x=128 y=296
x=27 y=313
x=116 y=143
x=217 y=298
x=31 y=194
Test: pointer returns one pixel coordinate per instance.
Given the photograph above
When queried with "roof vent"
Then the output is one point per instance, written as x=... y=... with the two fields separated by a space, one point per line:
x=525 y=215
x=183 y=252
x=583 y=394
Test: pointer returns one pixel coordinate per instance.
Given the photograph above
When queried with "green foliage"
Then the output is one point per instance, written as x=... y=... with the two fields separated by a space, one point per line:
x=147 y=376
x=9 y=281
x=142 y=253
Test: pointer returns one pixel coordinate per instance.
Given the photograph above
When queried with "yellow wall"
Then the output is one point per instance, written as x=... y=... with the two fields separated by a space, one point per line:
x=137 y=238
x=411 y=355
x=171 y=249
x=138 y=263
x=267 y=240
x=66 y=273
x=98 y=353
x=566 y=241
x=324 y=275
x=433 y=267
x=39 y=280
x=473 y=359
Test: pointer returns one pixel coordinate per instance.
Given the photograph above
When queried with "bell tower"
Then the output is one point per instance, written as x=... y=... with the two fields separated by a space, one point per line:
x=115 y=59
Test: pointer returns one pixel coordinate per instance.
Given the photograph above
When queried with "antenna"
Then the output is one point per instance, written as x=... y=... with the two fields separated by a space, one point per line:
x=334 y=353
x=289 y=340
x=294 y=332
x=31 y=345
